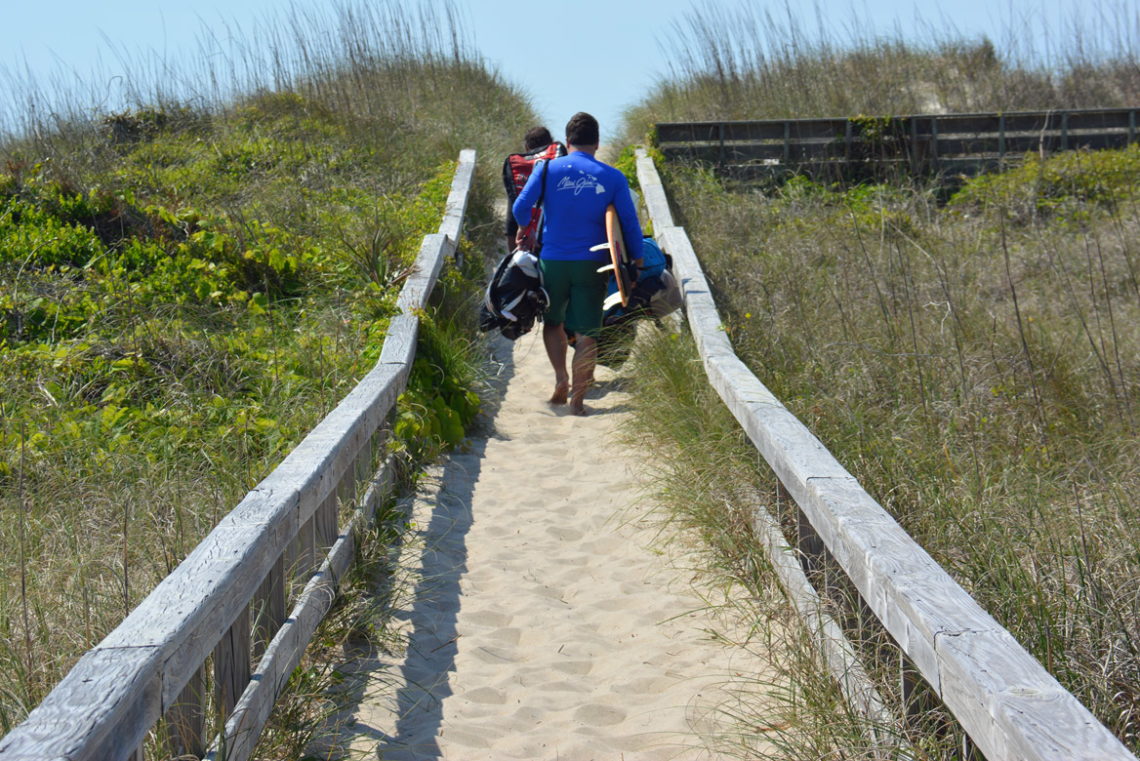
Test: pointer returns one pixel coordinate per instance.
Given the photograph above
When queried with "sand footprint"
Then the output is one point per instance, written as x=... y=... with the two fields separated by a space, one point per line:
x=650 y=685
x=598 y=715
x=486 y=695
x=564 y=533
x=506 y=636
x=487 y=618
x=577 y=668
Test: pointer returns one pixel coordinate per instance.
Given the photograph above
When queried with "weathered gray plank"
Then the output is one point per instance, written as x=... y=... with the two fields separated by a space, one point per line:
x=364 y=459
x=250 y=713
x=460 y=191
x=429 y=261
x=653 y=192
x=1014 y=144
x=1116 y=119
x=684 y=132
x=400 y=345
x=186 y=719
x=1049 y=722
x=67 y=725
x=751 y=131
x=1008 y=704
x=269 y=603
x=378 y=488
x=325 y=521
x=305 y=550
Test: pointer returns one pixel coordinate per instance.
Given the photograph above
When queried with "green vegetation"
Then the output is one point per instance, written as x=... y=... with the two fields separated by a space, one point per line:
x=187 y=288
x=972 y=360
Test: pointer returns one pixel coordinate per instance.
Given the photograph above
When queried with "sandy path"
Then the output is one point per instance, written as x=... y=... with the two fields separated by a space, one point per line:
x=543 y=626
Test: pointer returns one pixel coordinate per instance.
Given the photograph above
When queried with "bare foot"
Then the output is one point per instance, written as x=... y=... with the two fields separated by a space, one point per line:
x=578 y=401
x=561 y=392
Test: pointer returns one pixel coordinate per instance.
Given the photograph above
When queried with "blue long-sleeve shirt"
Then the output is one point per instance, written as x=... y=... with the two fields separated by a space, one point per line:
x=579 y=187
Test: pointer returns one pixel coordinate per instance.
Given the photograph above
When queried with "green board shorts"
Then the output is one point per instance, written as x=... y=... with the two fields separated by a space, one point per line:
x=576 y=291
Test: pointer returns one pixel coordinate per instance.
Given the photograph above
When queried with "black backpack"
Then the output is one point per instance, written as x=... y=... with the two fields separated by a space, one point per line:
x=514 y=298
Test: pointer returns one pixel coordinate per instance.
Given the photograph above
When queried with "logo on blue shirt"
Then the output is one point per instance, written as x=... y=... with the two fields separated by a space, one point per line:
x=582 y=183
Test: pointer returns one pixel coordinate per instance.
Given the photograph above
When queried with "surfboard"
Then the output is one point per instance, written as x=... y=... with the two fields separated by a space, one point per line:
x=618 y=255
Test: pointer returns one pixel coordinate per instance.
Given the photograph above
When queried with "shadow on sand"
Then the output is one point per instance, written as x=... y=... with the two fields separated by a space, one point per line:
x=432 y=562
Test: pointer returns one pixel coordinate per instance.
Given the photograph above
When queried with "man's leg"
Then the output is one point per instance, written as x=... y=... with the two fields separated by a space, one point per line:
x=554 y=338
x=585 y=357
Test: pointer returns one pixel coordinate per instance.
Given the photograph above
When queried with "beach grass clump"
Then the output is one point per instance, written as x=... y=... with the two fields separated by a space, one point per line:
x=189 y=282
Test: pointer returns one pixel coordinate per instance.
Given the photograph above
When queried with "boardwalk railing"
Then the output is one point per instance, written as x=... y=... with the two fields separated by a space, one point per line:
x=920 y=145
x=226 y=601
x=1005 y=701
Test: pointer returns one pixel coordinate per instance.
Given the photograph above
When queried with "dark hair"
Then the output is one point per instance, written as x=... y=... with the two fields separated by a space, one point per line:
x=582 y=129
x=537 y=137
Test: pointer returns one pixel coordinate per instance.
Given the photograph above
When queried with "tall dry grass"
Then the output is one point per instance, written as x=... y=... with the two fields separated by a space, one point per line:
x=975 y=366
x=975 y=363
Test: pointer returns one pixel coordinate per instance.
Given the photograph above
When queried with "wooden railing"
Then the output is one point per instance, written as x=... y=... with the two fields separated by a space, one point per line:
x=948 y=144
x=226 y=602
x=1004 y=700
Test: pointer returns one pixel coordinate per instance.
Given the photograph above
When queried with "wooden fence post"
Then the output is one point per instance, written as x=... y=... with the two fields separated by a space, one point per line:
x=810 y=546
x=186 y=719
x=914 y=157
x=1001 y=141
x=231 y=665
x=934 y=143
x=269 y=607
x=326 y=517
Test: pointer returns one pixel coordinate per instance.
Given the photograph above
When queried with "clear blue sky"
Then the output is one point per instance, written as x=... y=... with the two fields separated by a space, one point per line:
x=593 y=55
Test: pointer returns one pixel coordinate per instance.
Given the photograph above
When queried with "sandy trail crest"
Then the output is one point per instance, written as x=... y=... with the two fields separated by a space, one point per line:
x=543 y=625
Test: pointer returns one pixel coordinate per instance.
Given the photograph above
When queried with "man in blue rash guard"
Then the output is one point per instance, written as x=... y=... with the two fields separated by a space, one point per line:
x=579 y=187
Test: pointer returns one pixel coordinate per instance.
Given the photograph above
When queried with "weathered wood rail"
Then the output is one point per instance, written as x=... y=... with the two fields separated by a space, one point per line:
x=1005 y=701
x=226 y=604
x=947 y=144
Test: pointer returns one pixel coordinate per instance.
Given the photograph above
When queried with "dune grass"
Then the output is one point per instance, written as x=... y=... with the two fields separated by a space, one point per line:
x=974 y=367
x=188 y=283
x=972 y=362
